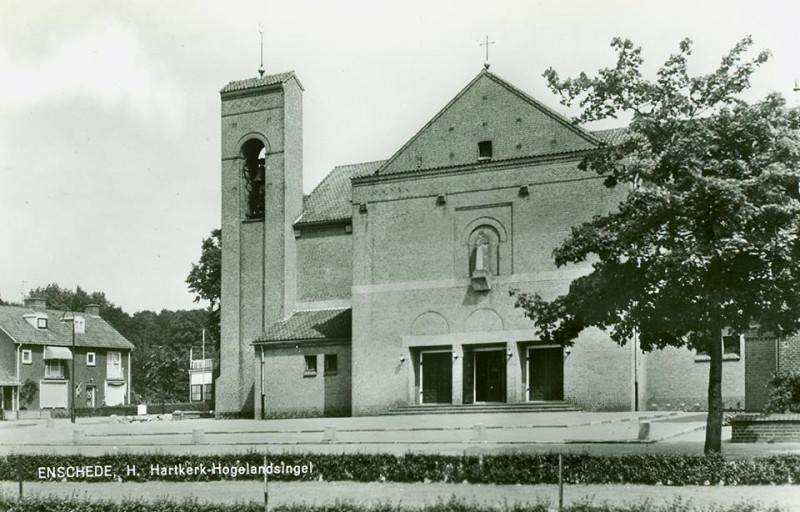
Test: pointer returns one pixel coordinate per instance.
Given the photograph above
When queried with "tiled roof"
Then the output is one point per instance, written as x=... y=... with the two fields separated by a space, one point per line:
x=8 y=378
x=611 y=136
x=250 y=83
x=331 y=200
x=318 y=324
x=98 y=333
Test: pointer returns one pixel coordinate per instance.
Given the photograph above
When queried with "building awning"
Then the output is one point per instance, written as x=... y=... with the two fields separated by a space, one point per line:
x=57 y=353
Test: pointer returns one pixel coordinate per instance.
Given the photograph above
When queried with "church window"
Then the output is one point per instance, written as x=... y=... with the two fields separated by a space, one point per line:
x=485 y=150
x=254 y=171
x=311 y=366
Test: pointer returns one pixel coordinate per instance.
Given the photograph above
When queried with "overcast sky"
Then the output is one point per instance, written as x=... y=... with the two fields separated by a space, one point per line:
x=109 y=111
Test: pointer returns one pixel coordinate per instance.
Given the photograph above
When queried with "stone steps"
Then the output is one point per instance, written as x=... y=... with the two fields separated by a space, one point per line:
x=482 y=408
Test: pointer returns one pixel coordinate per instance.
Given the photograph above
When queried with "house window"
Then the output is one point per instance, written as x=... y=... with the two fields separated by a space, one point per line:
x=206 y=392
x=90 y=359
x=27 y=356
x=311 y=366
x=41 y=323
x=197 y=393
x=53 y=369
x=331 y=364
x=485 y=150
x=114 y=366
x=80 y=324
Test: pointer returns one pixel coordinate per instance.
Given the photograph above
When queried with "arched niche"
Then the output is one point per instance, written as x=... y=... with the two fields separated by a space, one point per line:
x=483 y=319
x=489 y=237
x=429 y=322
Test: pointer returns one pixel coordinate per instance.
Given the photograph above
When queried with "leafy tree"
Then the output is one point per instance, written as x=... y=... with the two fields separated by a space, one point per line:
x=708 y=235
x=161 y=362
x=205 y=279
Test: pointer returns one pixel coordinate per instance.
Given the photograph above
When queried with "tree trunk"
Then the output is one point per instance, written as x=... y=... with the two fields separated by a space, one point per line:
x=714 y=420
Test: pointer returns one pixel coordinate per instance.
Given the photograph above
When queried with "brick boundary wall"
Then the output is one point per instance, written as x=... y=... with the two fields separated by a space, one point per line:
x=755 y=428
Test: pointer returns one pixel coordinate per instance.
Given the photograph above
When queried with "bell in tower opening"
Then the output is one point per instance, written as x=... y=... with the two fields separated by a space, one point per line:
x=254 y=172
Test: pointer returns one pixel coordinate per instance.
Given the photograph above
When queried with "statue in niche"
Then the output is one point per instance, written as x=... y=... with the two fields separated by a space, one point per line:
x=481 y=252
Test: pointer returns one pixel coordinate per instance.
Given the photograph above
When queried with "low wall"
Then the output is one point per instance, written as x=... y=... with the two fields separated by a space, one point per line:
x=772 y=428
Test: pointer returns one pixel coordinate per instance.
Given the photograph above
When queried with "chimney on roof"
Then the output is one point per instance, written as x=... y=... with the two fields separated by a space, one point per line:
x=93 y=310
x=36 y=303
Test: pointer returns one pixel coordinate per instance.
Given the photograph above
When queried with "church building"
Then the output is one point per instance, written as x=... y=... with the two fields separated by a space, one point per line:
x=388 y=286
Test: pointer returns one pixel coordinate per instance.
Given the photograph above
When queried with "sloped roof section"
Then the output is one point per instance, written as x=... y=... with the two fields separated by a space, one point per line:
x=318 y=324
x=98 y=333
x=489 y=109
x=252 y=83
x=7 y=378
x=331 y=199
x=612 y=135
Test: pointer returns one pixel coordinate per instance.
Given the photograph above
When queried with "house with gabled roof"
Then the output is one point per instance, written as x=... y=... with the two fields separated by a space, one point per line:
x=388 y=287
x=46 y=355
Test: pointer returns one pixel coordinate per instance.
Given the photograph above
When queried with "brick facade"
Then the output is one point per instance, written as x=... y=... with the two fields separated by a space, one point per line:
x=399 y=245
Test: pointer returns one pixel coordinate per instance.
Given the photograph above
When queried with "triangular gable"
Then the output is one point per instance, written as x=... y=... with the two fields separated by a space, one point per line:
x=489 y=109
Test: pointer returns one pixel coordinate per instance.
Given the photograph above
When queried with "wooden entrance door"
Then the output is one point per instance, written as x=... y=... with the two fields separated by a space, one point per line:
x=437 y=377
x=490 y=375
x=545 y=374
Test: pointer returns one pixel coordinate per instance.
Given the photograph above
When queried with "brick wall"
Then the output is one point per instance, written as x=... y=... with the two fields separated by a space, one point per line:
x=750 y=428
x=324 y=263
x=677 y=379
x=291 y=392
x=789 y=353
x=761 y=364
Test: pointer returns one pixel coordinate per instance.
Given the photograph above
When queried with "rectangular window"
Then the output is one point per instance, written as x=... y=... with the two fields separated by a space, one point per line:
x=27 y=356
x=41 y=323
x=90 y=359
x=53 y=369
x=311 y=366
x=331 y=364
x=197 y=393
x=485 y=150
x=731 y=349
x=114 y=366
x=206 y=392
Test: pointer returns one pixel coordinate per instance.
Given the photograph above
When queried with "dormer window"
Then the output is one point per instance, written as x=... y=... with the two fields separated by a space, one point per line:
x=41 y=323
x=484 y=150
x=80 y=325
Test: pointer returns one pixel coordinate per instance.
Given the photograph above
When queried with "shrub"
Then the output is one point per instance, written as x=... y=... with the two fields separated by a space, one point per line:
x=784 y=393
x=527 y=469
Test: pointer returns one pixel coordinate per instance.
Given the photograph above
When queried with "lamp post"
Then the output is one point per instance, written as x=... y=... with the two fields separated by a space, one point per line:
x=73 y=376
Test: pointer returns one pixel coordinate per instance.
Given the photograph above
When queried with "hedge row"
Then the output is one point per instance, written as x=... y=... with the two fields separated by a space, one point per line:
x=74 y=504
x=650 y=469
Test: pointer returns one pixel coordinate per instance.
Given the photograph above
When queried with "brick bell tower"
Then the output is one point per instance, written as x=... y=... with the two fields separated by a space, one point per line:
x=262 y=195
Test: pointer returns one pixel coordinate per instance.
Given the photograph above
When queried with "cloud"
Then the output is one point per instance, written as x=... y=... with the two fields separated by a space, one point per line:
x=106 y=64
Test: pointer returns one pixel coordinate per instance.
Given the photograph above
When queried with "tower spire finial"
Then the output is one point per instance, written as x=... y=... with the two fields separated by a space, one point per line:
x=261 y=69
x=486 y=44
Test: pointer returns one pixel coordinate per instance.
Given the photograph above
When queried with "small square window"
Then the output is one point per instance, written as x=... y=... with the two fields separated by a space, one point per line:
x=331 y=364
x=41 y=323
x=311 y=366
x=731 y=347
x=90 y=359
x=27 y=357
x=485 y=150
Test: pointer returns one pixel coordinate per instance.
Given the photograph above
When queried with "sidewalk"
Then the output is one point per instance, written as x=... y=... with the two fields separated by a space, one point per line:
x=609 y=433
